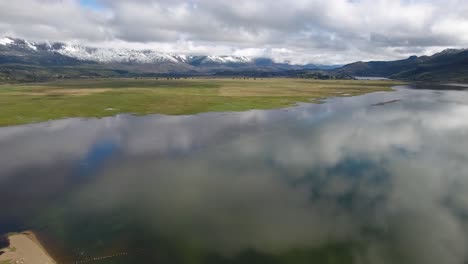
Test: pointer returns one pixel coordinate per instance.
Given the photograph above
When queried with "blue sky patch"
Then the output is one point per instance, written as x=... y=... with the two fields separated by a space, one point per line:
x=91 y=4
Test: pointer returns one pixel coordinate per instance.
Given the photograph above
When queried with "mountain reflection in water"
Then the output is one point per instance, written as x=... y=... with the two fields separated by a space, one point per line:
x=345 y=181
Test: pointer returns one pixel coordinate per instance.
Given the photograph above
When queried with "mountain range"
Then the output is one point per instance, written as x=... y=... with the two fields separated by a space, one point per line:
x=22 y=60
x=19 y=57
x=17 y=48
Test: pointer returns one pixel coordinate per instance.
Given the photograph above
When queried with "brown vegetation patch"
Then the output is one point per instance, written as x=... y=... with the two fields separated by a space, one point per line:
x=67 y=92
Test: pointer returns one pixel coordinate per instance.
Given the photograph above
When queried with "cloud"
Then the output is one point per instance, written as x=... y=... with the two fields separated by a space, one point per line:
x=320 y=31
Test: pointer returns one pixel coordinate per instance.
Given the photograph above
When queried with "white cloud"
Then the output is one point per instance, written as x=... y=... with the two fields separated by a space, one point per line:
x=320 y=31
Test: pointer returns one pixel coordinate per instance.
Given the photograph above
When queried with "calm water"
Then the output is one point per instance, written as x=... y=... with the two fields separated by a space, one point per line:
x=348 y=181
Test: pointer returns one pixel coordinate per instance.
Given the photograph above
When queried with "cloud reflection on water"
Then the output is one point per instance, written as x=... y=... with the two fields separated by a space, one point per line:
x=392 y=178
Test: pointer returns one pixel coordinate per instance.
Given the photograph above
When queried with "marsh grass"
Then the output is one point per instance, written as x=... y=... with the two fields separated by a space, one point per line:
x=28 y=103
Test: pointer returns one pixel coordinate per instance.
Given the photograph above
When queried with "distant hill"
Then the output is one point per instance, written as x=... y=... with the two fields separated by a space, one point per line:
x=448 y=65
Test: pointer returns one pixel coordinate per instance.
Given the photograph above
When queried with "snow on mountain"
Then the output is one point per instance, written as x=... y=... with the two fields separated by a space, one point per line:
x=109 y=55
x=30 y=45
x=105 y=55
x=228 y=59
x=19 y=42
x=120 y=55
x=6 y=41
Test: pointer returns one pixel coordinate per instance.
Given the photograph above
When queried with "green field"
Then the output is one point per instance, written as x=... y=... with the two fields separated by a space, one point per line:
x=28 y=103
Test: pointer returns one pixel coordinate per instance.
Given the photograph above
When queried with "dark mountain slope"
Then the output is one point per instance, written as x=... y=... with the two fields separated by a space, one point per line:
x=23 y=53
x=448 y=65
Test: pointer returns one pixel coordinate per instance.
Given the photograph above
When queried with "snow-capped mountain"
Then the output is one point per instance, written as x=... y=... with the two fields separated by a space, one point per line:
x=18 y=42
x=111 y=55
x=22 y=60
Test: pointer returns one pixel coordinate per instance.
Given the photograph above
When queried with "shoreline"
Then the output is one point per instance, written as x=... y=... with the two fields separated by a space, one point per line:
x=25 y=248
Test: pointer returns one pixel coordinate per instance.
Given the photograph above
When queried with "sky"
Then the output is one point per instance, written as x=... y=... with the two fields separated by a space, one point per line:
x=296 y=31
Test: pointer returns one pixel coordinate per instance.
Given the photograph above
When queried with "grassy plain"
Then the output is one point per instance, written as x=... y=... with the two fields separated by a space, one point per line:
x=28 y=103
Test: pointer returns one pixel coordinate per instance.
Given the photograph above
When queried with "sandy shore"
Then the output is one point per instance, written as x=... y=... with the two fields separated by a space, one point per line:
x=25 y=248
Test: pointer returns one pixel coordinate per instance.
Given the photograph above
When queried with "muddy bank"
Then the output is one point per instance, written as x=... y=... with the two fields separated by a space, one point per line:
x=24 y=248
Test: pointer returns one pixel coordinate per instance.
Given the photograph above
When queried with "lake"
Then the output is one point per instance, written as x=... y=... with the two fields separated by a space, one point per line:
x=378 y=178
